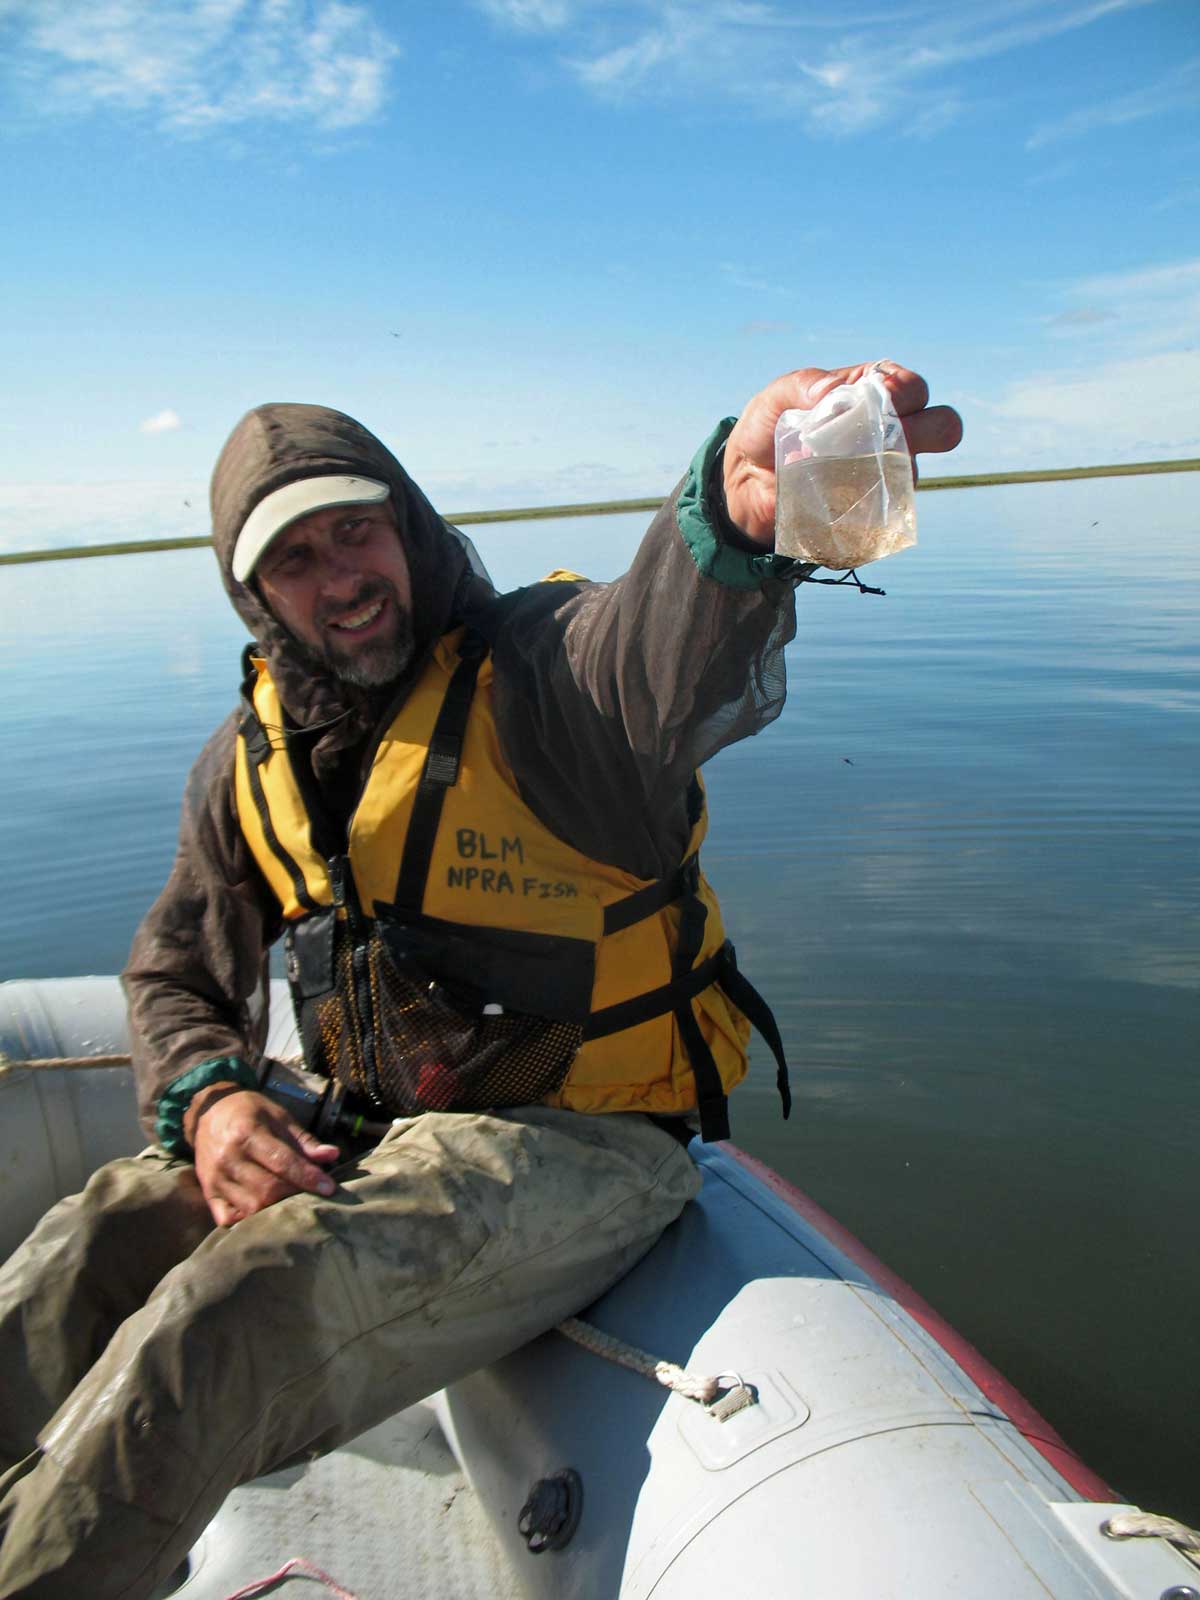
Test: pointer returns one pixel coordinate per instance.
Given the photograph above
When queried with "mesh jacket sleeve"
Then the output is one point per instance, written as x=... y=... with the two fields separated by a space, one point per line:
x=609 y=696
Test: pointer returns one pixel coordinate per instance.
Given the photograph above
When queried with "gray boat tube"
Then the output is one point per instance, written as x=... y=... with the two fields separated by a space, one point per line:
x=883 y=1456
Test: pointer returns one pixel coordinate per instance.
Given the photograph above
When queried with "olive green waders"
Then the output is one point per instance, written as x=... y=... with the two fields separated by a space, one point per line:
x=150 y=1362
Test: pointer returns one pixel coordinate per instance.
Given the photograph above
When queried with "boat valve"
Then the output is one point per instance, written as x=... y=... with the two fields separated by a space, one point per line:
x=550 y=1515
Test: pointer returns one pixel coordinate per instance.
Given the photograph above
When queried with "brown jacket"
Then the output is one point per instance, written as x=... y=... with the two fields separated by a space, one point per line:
x=607 y=697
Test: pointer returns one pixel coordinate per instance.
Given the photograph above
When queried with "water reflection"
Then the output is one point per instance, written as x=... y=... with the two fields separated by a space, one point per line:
x=963 y=866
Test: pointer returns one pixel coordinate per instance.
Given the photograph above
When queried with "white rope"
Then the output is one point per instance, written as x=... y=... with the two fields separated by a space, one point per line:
x=692 y=1386
x=1146 y=1525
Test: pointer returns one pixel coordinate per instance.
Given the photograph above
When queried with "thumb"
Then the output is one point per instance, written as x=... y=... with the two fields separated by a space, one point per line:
x=821 y=384
x=315 y=1149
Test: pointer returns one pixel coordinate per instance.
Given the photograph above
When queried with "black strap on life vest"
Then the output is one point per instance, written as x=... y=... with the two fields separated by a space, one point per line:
x=654 y=1002
x=688 y=978
x=720 y=968
x=759 y=1014
x=711 y=1100
x=258 y=750
x=439 y=773
x=654 y=897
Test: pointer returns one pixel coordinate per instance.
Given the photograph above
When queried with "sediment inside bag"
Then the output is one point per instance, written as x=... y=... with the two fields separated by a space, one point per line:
x=843 y=512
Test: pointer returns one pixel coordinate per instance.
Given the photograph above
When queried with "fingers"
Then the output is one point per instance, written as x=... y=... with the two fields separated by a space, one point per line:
x=224 y=1214
x=908 y=389
x=250 y=1155
x=268 y=1171
x=315 y=1150
x=937 y=429
x=278 y=1155
x=926 y=427
x=749 y=462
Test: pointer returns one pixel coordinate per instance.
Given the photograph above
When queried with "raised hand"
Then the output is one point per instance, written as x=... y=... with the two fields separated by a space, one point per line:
x=750 y=449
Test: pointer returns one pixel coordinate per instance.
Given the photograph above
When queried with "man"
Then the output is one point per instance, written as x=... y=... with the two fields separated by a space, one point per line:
x=475 y=820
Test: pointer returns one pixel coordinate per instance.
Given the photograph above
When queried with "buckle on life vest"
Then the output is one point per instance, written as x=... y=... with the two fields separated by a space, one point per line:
x=441 y=764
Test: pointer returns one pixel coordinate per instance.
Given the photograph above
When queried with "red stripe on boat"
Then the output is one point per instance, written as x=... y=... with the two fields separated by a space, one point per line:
x=1029 y=1421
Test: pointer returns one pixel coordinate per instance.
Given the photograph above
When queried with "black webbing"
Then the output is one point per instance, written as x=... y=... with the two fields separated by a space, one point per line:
x=645 y=902
x=688 y=980
x=258 y=745
x=258 y=750
x=440 y=771
x=710 y=1091
x=759 y=1014
x=676 y=996
x=629 y=1013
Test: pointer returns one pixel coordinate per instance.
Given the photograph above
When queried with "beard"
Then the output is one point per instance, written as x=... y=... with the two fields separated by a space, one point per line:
x=381 y=661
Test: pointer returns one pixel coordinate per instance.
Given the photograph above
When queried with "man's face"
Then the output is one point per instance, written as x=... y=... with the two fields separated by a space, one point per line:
x=338 y=581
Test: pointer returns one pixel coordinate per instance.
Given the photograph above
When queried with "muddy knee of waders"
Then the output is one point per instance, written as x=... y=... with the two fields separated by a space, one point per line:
x=91 y=1262
x=59 y=1540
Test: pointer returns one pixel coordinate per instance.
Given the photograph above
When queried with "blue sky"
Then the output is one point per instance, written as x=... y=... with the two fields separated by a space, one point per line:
x=540 y=246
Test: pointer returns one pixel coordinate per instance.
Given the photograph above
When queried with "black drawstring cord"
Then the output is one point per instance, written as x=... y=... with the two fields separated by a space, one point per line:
x=851 y=578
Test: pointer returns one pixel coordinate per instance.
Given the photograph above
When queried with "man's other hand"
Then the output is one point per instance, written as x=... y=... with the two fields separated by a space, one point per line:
x=750 y=449
x=249 y=1153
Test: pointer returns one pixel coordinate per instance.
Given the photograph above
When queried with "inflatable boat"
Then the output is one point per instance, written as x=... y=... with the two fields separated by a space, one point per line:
x=826 y=1436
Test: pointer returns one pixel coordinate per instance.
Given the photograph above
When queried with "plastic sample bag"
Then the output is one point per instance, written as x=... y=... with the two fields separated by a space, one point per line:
x=844 y=482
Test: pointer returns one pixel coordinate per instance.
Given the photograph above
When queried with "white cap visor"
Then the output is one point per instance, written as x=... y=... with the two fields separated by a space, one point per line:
x=285 y=506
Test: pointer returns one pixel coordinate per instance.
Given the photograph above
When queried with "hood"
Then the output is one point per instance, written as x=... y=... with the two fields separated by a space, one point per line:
x=277 y=444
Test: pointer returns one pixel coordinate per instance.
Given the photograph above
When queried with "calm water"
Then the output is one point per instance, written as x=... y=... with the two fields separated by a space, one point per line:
x=964 y=866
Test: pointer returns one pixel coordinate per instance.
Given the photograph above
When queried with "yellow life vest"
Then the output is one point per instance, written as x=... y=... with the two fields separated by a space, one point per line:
x=447 y=861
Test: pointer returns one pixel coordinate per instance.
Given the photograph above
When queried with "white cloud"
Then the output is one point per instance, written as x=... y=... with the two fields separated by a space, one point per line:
x=742 y=277
x=1112 y=409
x=1146 y=284
x=1080 y=317
x=623 y=68
x=1132 y=409
x=1122 y=383
x=162 y=422
x=1175 y=92
x=765 y=327
x=528 y=16
x=1188 y=195
x=842 y=71
x=1058 y=173
x=199 y=64
x=1133 y=313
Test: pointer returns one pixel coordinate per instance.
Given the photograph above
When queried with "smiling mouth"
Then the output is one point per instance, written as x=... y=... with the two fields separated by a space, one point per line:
x=356 y=621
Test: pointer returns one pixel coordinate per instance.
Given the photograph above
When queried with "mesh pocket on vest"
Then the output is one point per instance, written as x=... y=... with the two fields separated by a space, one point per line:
x=423 y=1047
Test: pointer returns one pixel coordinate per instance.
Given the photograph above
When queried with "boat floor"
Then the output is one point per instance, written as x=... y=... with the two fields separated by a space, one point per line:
x=389 y=1516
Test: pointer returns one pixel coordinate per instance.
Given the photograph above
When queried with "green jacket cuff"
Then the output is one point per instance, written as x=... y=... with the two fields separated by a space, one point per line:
x=699 y=523
x=178 y=1096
